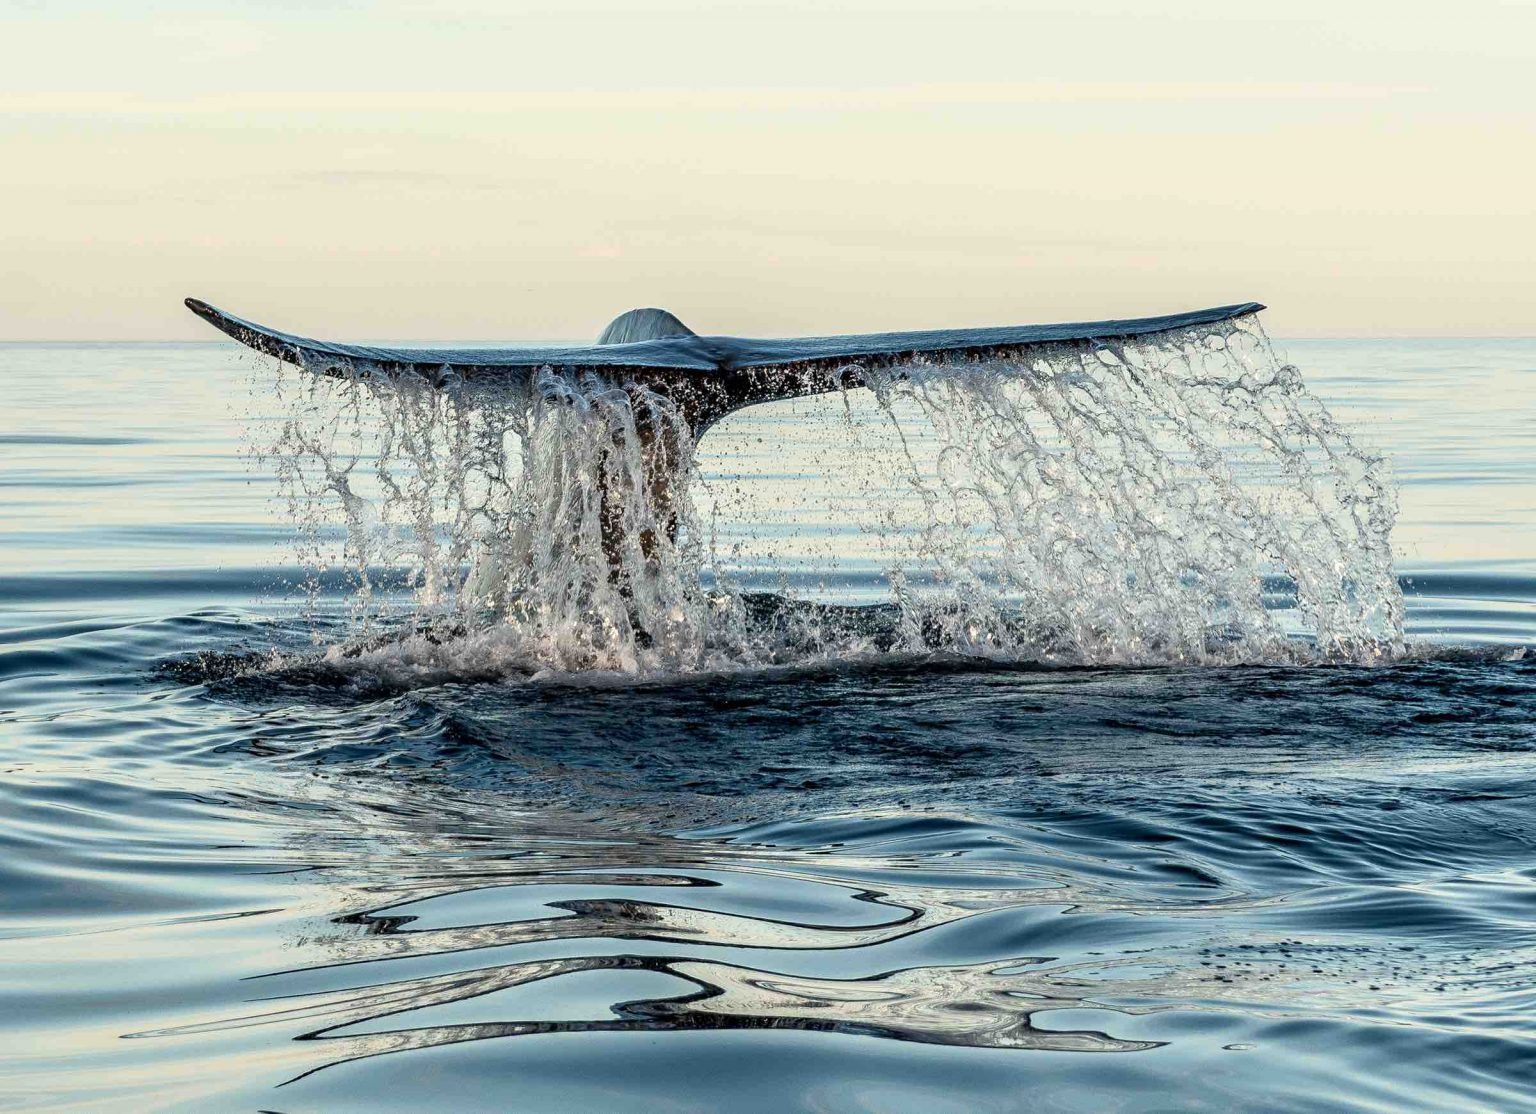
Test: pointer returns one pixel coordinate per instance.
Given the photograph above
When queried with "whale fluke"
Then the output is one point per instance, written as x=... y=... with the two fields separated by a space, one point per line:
x=664 y=386
x=709 y=375
x=654 y=340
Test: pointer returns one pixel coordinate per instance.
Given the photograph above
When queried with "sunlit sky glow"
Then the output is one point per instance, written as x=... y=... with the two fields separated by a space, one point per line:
x=494 y=170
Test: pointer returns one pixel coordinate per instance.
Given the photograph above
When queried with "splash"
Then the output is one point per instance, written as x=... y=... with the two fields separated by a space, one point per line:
x=1146 y=502
x=1181 y=498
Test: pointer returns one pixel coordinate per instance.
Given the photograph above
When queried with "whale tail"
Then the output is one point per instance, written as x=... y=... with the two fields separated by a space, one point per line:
x=708 y=376
x=703 y=378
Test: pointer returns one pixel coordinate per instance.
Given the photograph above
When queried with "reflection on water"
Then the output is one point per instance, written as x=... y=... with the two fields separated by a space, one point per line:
x=889 y=883
x=1175 y=864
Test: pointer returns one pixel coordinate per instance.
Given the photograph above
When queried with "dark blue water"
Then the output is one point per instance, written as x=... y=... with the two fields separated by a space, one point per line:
x=882 y=884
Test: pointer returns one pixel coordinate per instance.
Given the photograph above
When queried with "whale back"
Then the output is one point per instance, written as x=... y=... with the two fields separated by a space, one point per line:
x=643 y=324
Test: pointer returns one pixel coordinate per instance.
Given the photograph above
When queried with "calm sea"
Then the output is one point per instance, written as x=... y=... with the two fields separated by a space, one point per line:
x=885 y=885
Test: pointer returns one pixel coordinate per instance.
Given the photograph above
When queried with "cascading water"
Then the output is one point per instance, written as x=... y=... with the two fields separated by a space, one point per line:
x=1180 y=498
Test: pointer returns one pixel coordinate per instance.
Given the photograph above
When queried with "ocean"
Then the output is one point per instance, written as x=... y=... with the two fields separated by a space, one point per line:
x=873 y=881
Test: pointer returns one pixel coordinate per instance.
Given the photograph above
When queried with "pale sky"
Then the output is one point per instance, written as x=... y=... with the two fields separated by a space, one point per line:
x=483 y=170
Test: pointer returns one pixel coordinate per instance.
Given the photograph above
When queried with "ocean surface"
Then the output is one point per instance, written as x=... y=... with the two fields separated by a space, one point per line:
x=872 y=883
